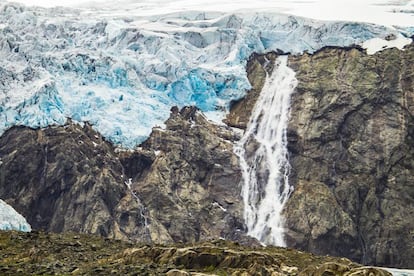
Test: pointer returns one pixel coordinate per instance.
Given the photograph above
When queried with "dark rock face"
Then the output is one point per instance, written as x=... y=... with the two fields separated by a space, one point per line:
x=258 y=66
x=191 y=190
x=183 y=182
x=352 y=150
x=61 y=179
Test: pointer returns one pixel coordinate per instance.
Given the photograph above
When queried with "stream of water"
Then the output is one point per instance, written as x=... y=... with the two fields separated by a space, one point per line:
x=264 y=159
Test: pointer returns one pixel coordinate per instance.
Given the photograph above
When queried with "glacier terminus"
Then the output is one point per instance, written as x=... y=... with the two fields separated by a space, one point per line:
x=123 y=73
x=12 y=220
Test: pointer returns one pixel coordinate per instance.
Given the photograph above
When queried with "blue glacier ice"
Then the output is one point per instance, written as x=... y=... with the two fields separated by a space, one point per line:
x=123 y=73
x=12 y=220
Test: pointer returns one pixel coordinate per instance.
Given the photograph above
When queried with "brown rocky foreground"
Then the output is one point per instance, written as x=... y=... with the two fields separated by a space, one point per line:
x=80 y=254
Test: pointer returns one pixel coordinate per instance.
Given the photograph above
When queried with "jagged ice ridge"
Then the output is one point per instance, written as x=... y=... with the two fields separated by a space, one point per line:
x=124 y=74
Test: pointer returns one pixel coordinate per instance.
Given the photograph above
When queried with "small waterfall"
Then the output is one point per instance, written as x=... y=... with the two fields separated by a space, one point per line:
x=141 y=210
x=264 y=157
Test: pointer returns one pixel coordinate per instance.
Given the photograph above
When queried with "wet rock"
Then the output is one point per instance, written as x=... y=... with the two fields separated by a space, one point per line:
x=258 y=67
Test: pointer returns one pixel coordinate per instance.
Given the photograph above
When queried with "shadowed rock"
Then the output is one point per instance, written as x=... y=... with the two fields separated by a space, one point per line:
x=180 y=186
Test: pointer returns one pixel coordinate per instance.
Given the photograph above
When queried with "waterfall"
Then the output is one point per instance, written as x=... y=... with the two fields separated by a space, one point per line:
x=264 y=157
x=141 y=210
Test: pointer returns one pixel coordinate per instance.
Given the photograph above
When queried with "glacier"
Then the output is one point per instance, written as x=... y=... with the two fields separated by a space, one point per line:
x=122 y=73
x=12 y=220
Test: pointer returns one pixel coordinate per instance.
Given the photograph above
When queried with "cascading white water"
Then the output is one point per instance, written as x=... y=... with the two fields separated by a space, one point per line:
x=263 y=157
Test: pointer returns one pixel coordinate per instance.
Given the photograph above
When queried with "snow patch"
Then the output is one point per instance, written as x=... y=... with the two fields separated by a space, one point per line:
x=216 y=204
x=376 y=44
x=399 y=272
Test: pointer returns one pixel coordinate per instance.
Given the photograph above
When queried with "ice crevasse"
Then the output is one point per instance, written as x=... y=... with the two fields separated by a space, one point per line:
x=123 y=73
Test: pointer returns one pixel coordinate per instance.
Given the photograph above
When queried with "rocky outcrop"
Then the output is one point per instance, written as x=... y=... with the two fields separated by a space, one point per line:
x=352 y=150
x=180 y=186
x=74 y=254
x=61 y=178
x=258 y=67
x=191 y=190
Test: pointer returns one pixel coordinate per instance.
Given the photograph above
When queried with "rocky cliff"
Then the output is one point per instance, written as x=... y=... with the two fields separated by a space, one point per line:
x=351 y=151
x=180 y=186
x=351 y=145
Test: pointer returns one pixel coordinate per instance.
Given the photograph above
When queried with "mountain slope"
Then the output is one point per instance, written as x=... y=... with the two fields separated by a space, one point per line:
x=76 y=90
x=351 y=152
x=184 y=180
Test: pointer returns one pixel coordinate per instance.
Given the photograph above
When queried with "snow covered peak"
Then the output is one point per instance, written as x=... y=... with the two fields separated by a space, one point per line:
x=11 y=220
x=123 y=72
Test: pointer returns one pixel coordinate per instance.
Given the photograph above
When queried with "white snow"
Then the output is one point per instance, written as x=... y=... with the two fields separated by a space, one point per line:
x=216 y=204
x=378 y=44
x=12 y=220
